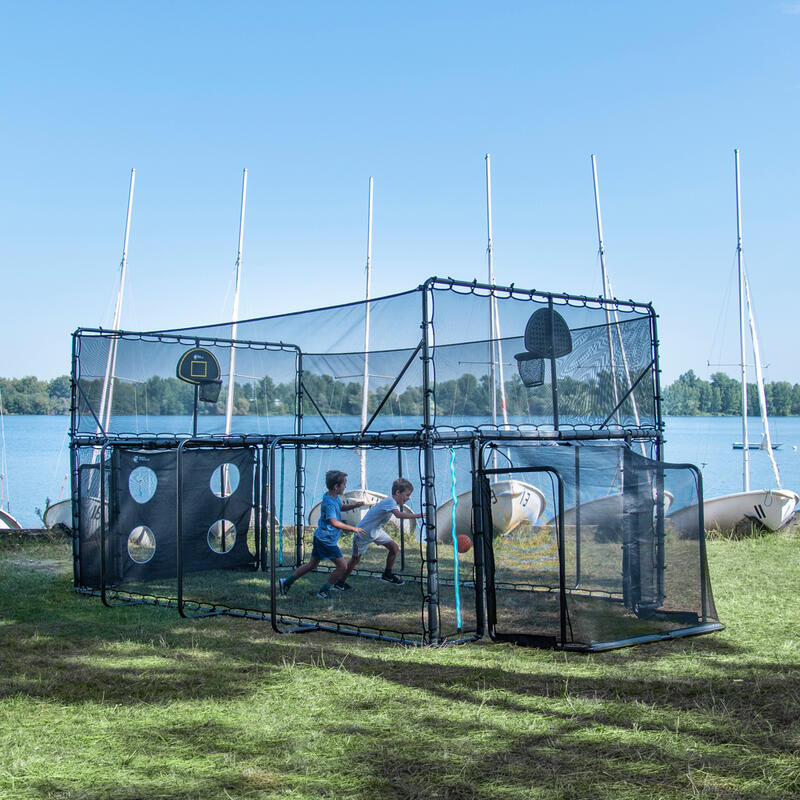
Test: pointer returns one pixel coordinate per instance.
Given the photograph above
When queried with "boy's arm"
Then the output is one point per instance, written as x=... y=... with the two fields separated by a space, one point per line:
x=343 y=526
x=406 y=514
x=351 y=506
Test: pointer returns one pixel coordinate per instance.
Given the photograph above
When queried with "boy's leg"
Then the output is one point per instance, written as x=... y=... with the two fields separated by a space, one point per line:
x=393 y=549
x=340 y=565
x=340 y=568
x=286 y=583
x=352 y=563
x=388 y=576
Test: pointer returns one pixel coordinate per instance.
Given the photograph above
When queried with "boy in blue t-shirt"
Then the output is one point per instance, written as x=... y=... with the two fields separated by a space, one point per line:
x=326 y=536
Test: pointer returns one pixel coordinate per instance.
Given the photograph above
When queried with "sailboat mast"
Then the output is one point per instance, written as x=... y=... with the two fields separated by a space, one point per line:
x=608 y=292
x=108 y=382
x=495 y=353
x=231 y=369
x=365 y=388
x=606 y=286
x=742 y=348
x=490 y=260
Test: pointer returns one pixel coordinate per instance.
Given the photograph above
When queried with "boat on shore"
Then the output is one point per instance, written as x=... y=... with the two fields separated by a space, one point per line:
x=8 y=523
x=513 y=503
x=770 y=508
x=58 y=515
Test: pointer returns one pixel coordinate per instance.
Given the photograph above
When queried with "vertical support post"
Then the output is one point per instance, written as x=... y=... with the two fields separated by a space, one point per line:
x=428 y=477
x=478 y=538
x=266 y=479
x=657 y=387
x=562 y=567
x=258 y=505
x=179 y=523
x=703 y=554
x=402 y=521
x=660 y=535
x=104 y=511
x=553 y=381
x=273 y=605
x=577 y=517
x=299 y=464
x=73 y=460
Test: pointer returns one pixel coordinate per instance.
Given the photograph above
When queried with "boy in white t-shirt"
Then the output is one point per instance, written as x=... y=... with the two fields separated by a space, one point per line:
x=372 y=525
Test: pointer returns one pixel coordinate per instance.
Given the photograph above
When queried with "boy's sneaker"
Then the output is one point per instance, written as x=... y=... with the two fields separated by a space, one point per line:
x=390 y=577
x=324 y=593
x=284 y=586
x=343 y=586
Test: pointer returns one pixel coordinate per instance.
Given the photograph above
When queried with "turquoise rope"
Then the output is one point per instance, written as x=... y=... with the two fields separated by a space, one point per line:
x=454 y=537
x=280 y=518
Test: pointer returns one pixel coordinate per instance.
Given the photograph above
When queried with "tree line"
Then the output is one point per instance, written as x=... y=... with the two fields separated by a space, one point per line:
x=691 y=396
x=466 y=395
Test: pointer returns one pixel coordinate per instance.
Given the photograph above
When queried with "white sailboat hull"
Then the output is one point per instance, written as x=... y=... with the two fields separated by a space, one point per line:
x=59 y=513
x=513 y=502
x=8 y=523
x=771 y=508
x=355 y=515
x=604 y=510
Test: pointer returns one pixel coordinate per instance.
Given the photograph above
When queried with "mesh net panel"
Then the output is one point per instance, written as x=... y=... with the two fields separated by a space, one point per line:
x=147 y=398
x=525 y=361
x=634 y=562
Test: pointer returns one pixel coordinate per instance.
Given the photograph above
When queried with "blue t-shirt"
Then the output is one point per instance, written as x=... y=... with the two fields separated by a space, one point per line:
x=331 y=508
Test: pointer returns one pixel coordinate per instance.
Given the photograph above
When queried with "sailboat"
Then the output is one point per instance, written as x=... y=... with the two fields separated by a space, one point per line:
x=771 y=508
x=58 y=515
x=363 y=495
x=513 y=502
x=763 y=445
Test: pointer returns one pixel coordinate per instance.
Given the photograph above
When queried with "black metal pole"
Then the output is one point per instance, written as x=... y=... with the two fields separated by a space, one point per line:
x=577 y=517
x=428 y=478
x=402 y=521
x=299 y=466
x=179 y=524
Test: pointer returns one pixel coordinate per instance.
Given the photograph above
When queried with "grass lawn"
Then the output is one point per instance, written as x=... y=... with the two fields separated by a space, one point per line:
x=128 y=703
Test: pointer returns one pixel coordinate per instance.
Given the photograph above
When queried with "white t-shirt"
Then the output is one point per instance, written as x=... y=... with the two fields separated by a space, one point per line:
x=378 y=515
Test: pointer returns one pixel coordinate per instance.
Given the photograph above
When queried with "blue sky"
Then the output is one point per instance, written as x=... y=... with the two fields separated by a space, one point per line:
x=315 y=97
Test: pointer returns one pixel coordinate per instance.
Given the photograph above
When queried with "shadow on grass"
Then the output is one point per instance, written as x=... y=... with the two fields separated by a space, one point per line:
x=702 y=716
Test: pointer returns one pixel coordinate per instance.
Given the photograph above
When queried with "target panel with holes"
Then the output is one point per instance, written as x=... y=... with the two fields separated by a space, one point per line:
x=528 y=424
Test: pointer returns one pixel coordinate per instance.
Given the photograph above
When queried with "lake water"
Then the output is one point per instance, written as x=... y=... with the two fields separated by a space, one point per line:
x=37 y=456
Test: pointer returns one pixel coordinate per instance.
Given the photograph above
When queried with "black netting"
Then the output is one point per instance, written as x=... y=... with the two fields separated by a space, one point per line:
x=633 y=551
x=126 y=385
x=403 y=385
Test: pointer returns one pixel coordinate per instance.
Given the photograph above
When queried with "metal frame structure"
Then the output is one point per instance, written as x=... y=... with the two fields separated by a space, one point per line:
x=425 y=440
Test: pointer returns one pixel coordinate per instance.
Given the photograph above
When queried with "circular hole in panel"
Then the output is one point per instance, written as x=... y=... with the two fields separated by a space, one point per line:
x=221 y=536
x=225 y=480
x=141 y=544
x=142 y=484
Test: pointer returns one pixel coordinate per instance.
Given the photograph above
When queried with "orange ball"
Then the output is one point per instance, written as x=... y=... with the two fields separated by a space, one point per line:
x=464 y=543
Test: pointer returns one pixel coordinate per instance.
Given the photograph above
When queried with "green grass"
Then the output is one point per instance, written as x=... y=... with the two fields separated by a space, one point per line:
x=128 y=703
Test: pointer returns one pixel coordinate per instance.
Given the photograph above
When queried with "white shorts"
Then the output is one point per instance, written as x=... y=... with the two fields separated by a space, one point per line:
x=361 y=541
